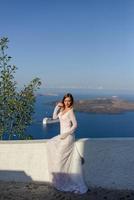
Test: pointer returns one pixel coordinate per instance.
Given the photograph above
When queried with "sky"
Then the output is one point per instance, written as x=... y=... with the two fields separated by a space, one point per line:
x=71 y=43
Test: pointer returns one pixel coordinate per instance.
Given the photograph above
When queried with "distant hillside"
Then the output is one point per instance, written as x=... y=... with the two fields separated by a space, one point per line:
x=103 y=105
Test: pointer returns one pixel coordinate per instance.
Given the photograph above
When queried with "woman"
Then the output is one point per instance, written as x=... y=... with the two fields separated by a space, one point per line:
x=64 y=161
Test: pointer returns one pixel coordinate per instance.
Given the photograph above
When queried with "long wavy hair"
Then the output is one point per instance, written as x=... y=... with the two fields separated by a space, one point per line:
x=70 y=96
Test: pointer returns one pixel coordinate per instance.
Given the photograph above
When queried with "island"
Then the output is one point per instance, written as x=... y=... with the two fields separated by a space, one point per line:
x=47 y=94
x=104 y=105
x=111 y=105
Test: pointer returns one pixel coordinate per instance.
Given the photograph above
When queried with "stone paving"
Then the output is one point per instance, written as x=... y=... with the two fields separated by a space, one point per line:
x=43 y=191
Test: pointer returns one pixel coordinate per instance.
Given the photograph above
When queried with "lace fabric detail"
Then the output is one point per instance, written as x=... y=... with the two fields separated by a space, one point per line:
x=64 y=161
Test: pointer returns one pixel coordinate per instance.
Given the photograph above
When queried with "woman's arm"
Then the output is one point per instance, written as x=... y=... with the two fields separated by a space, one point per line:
x=73 y=127
x=56 y=111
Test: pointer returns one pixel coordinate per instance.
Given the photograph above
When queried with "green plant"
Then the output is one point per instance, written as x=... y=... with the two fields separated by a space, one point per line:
x=16 y=107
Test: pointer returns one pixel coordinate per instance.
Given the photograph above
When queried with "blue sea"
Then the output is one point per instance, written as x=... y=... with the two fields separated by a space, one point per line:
x=89 y=125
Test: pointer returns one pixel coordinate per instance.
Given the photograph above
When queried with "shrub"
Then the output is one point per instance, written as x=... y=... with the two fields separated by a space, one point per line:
x=16 y=107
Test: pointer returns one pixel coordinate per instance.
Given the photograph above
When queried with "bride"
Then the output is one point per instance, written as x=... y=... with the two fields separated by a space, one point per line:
x=64 y=161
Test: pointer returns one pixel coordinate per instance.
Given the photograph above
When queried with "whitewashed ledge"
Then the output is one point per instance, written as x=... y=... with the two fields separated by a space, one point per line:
x=109 y=162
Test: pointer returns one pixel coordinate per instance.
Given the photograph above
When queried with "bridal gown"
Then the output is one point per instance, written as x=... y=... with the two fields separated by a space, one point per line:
x=64 y=160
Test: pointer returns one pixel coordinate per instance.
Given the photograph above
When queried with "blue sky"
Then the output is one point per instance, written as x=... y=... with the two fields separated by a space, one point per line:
x=71 y=43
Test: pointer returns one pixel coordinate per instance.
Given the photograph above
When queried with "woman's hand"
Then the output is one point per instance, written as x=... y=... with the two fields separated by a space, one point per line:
x=61 y=105
x=62 y=137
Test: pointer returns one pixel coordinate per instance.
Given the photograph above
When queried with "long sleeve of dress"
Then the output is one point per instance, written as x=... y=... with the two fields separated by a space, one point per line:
x=73 y=125
x=64 y=160
x=56 y=111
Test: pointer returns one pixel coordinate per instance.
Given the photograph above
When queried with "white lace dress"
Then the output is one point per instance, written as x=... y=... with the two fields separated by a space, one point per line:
x=64 y=161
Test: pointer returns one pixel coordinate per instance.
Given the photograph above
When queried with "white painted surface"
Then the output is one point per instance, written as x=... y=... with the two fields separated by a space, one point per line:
x=23 y=161
x=109 y=162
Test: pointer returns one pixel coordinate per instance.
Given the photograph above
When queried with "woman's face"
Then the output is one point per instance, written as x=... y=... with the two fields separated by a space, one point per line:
x=67 y=102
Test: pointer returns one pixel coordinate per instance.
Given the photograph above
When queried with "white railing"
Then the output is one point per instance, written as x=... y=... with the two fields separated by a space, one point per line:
x=109 y=162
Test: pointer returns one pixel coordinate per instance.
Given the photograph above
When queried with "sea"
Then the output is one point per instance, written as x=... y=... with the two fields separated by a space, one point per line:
x=89 y=125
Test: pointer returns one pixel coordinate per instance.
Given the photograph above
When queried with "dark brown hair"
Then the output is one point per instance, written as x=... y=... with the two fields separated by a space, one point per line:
x=70 y=96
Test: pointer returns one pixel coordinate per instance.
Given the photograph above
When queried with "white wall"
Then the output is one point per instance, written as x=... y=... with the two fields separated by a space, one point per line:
x=108 y=163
